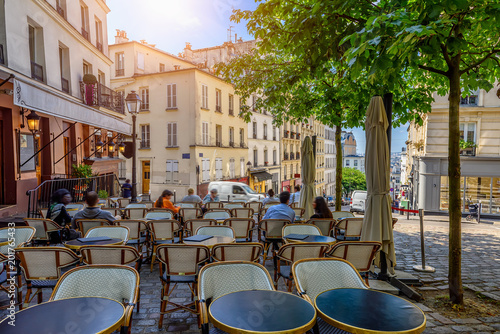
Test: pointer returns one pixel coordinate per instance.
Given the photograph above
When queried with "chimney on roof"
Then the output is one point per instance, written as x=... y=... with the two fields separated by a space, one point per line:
x=121 y=36
x=188 y=46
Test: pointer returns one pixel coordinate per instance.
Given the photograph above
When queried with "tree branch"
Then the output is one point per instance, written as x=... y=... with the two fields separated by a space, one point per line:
x=374 y=5
x=432 y=69
x=445 y=54
x=493 y=52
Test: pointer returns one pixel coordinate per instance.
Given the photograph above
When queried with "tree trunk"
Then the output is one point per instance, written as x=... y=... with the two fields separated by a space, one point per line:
x=338 y=170
x=455 y=206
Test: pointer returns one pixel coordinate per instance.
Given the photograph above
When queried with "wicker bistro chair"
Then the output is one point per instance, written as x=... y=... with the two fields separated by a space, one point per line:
x=242 y=212
x=43 y=212
x=138 y=233
x=217 y=230
x=217 y=214
x=41 y=267
x=135 y=212
x=348 y=229
x=119 y=232
x=243 y=251
x=158 y=213
x=190 y=213
x=359 y=253
x=314 y=276
x=270 y=204
x=233 y=205
x=271 y=234
x=256 y=206
x=220 y=278
x=299 y=212
x=163 y=231
x=179 y=264
x=113 y=211
x=123 y=202
x=83 y=225
x=148 y=204
x=290 y=253
x=111 y=254
x=324 y=224
x=342 y=214
x=214 y=205
x=43 y=229
x=308 y=229
x=117 y=282
x=243 y=228
x=136 y=206
x=75 y=207
x=191 y=225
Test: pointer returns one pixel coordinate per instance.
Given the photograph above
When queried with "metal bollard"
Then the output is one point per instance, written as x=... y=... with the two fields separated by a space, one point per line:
x=423 y=267
x=408 y=215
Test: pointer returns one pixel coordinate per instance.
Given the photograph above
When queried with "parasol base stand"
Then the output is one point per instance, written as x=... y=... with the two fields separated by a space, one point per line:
x=426 y=269
x=384 y=276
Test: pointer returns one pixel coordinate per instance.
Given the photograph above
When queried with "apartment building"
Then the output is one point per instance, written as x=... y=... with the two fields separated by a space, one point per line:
x=46 y=48
x=427 y=154
x=319 y=132
x=350 y=158
x=330 y=161
x=263 y=150
x=189 y=129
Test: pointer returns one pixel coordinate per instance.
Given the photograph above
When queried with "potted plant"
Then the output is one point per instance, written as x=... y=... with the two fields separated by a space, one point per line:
x=89 y=80
x=467 y=147
x=265 y=163
x=103 y=194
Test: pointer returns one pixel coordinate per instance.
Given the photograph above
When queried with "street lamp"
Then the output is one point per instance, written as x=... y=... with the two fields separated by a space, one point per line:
x=133 y=103
x=121 y=147
x=111 y=146
x=33 y=122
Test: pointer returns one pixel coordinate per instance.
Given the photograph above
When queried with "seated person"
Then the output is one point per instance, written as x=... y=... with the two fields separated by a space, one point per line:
x=210 y=197
x=57 y=212
x=321 y=208
x=295 y=197
x=93 y=210
x=191 y=197
x=282 y=210
x=164 y=201
x=270 y=198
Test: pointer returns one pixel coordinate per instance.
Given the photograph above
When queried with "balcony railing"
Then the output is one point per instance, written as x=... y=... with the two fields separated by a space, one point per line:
x=60 y=10
x=36 y=71
x=98 y=95
x=99 y=46
x=85 y=34
x=265 y=137
x=292 y=156
x=297 y=155
x=231 y=143
x=286 y=156
x=65 y=85
x=254 y=135
x=144 y=144
x=292 y=135
x=231 y=112
x=218 y=109
x=285 y=134
x=120 y=72
x=218 y=143
x=242 y=144
x=471 y=152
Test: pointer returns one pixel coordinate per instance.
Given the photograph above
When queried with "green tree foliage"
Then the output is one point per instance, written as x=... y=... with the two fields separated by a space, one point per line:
x=352 y=179
x=448 y=46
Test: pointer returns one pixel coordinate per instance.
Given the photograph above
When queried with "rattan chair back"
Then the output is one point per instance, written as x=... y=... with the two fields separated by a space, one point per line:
x=23 y=235
x=304 y=250
x=153 y=214
x=113 y=211
x=242 y=227
x=299 y=212
x=84 y=225
x=351 y=227
x=243 y=251
x=180 y=259
x=190 y=213
x=45 y=263
x=42 y=228
x=164 y=229
x=232 y=205
x=214 y=205
x=119 y=232
x=242 y=212
x=342 y=214
x=191 y=225
x=273 y=228
x=324 y=224
x=359 y=253
x=135 y=213
x=123 y=202
x=216 y=230
x=308 y=229
x=256 y=206
x=110 y=254
x=135 y=226
x=270 y=204
x=217 y=214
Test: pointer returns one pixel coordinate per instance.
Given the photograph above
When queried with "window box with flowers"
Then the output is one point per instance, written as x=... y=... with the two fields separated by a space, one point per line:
x=467 y=147
x=266 y=163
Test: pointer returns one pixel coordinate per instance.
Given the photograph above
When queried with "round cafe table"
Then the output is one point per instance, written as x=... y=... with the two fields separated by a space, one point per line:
x=85 y=315
x=369 y=311
x=312 y=238
x=76 y=245
x=210 y=242
x=262 y=311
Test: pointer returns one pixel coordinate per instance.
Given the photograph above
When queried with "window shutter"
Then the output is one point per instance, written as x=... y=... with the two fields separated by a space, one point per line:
x=169 y=96
x=174 y=95
x=169 y=134
x=169 y=170
x=174 y=134
x=175 y=170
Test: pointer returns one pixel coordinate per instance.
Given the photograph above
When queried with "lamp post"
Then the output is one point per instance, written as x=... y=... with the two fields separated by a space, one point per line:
x=33 y=122
x=133 y=104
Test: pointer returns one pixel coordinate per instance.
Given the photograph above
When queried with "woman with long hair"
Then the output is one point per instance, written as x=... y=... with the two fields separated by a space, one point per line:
x=164 y=201
x=321 y=209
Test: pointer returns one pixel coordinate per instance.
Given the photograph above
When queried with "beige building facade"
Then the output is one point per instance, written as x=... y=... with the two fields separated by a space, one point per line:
x=427 y=152
x=189 y=132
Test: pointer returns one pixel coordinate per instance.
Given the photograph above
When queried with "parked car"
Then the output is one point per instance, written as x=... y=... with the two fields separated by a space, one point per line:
x=235 y=191
x=358 y=201
x=330 y=201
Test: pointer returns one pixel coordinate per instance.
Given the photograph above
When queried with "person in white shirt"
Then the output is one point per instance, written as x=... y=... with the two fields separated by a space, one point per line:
x=270 y=198
x=295 y=197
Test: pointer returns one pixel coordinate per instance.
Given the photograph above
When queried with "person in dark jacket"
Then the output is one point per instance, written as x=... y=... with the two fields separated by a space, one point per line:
x=321 y=209
x=57 y=209
x=93 y=210
x=127 y=189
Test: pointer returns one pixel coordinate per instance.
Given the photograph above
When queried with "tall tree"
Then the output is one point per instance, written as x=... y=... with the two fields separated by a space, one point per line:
x=298 y=68
x=449 y=46
x=352 y=179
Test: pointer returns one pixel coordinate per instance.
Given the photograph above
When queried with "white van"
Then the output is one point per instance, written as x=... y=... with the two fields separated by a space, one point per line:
x=235 y=191
x=358 y=200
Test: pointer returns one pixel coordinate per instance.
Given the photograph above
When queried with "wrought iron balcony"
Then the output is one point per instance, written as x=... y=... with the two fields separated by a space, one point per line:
x=470 y=151
x=64 y=85
x=98 y=95
x=292 y=156
x=60 y=10
x=36 y=71
x=286 y=156
x=120 y=72
x=99 y=46
x=85 y=34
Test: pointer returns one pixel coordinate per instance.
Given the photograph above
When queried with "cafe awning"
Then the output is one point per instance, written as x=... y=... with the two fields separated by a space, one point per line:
x=262 y=176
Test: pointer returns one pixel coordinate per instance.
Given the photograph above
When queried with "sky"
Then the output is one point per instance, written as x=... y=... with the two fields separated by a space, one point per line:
x=204 y=23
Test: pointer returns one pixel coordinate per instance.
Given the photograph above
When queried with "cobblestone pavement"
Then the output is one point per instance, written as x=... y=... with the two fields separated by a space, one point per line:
x=480 y=270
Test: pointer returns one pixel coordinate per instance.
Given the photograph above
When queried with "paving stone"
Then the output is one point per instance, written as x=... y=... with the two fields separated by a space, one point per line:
x=428 y=288
x=443 y=330
x=495 y=326
x=490 y=319
x=491 y=295
x=466 y=321
x=483 y=328
x=146 y=322
x=441 y=319
x=423 y=307
x=462 y=329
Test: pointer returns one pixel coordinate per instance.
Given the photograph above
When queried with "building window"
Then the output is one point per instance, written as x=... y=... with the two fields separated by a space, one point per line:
x=355 y=163
x=254 y=101
x=204 y=96
x=64 y=68
x=275 y=157
x=347 y=163
x=242 y=137
x=84 y=12
x=265 y=131
x=284 y=172
x=255 y=158
x=145 y=135
x=61 y=7
x=254 y=127
x=36 y=52
x=205 y=170
x=172 y=171
x=122 y=170
x=274 y=132
x=469 y=100
x=119 y=64
x=144 y=98
x=171 y=134
x=98 y=34
x=468 y=132
x=266 y=162
x=140 y=61
x=231 y=168
x=231 y=105
x=87 y=68
x=242 y=166
x=204 y=133
x=162 y=67
x=231 y=136
x=171 y=96
x=218 y=100
x=218 y=168
x=218 y=135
